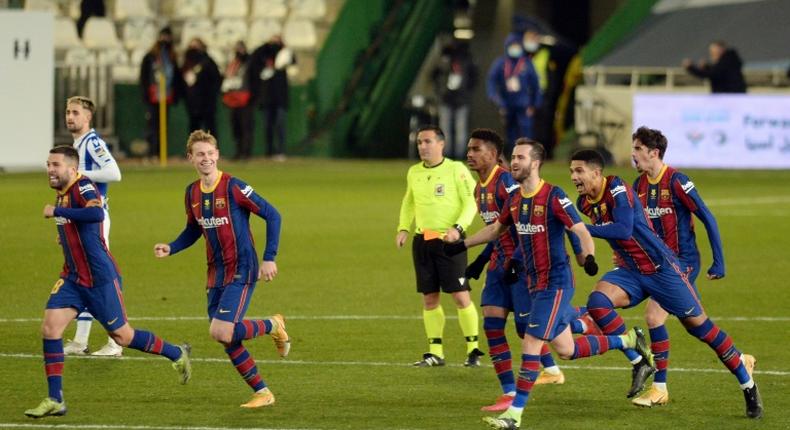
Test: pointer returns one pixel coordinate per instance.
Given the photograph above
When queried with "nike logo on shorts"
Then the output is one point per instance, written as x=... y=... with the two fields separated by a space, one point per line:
x=224 y=311
x=112 y=321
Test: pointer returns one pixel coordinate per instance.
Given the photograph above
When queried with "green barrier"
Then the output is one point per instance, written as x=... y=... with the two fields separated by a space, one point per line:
x=624 y=21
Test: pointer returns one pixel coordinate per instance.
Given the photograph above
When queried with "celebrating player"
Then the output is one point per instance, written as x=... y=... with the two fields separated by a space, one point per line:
x=98 y=165
x=218 y=205
x=541 y=213
x=89 y=280
x=670 y=198
x=646 y=267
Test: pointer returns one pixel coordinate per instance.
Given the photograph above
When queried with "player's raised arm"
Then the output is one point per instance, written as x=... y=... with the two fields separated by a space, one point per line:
x=622 y=225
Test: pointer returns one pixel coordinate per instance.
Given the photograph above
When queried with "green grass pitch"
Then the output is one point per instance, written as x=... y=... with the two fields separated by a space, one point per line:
x=354 y=317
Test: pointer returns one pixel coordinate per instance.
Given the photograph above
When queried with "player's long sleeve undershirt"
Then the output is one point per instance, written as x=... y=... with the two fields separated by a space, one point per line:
x=89 y=214
x=621 y=229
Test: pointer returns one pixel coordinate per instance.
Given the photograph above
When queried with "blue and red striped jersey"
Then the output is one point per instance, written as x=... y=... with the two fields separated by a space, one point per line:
x=618 y=217
x=491 y=197
x=222 y=215
x=669 y=202
x=79 y=216
x=540 y=220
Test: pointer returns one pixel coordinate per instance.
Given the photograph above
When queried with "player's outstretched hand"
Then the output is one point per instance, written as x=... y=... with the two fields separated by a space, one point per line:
x=715 y=273
x=474 y=270
x=590 y=266
x=513 y=272
x=49 y=211
x=267 y=271
x=454 y=248
x=161 y=250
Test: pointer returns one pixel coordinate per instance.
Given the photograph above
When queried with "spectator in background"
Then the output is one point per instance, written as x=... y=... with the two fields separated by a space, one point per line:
x=513 y=87
x=453 y=80
x=236 y=96
x=723 y=70
x=202 y=82
x=269 y=87
x=89 y=8
x=159 y=61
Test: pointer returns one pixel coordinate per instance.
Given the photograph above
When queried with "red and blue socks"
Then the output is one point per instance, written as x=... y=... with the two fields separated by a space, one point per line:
x=53 y=366
x=245 y=365
x=499 y=351
x=602 y=311
x=659 y=344
x=721 y=342
x=249 y=329
x=527 y=375
x=148 y=342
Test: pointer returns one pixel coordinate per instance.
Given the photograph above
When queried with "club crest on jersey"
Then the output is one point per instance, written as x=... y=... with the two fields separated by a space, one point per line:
x=490 y=198
x=64 y=201
x=220 y=203
x=538 y=210
x=665 y=195
x=438 y=190
x=207 y=204
x=652 y=193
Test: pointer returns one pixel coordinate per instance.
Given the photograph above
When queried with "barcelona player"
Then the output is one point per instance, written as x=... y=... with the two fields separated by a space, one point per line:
x=670 y=198
x=646 y=267
x=218 y=207
x=90 y=280
x=499 y=297
x=541 y=213
x=98 y=165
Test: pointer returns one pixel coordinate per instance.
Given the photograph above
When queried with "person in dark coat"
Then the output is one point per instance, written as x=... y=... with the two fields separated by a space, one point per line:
x=236 y=96
x=454 y=78
x=160 y=60
x=723 y=70
x=202 y=82
x=269 y=80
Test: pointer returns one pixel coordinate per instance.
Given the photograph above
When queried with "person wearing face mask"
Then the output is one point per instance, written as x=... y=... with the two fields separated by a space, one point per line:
x=513 y=87
x=159 y=61
x=236 y=96
x=202 y=84
x=454 y=78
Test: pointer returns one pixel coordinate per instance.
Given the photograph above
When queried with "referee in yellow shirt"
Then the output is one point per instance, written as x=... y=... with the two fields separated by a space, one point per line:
x=440 y=201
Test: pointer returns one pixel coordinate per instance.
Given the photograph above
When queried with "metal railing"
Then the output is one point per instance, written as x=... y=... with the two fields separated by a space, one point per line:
x=672 y=77
x=95 y=82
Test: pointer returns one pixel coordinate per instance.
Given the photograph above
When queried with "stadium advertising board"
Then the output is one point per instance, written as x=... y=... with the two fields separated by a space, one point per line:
x=742 y=131
x=26 y=88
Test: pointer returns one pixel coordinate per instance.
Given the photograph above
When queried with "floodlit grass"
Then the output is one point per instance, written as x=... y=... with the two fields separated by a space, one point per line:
x=354 y=316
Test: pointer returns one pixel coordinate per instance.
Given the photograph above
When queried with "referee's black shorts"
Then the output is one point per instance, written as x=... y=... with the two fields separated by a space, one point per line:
x=435 y=270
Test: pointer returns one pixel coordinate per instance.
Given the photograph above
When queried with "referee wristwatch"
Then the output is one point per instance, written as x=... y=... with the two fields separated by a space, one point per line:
x=460 y=229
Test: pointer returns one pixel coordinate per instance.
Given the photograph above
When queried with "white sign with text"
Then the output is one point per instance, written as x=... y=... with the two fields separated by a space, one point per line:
x=741 y=131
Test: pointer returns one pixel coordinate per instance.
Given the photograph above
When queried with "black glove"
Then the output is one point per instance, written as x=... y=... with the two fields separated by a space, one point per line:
x=474 y=270
x=512 y=273
x=454 y=248
x=590 y=266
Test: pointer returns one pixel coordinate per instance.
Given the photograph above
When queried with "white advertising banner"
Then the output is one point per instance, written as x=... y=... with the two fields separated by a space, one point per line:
x=26 y=88
x=741 y=131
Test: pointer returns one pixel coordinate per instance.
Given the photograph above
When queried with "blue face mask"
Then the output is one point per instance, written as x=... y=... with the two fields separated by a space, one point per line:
x=514 y=51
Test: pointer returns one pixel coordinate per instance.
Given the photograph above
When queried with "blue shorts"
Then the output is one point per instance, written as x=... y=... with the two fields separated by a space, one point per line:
x=230 y=302
x=692 y=271
x=551 y=313
x=104 y=302
x=669 y=287
x=514 y=297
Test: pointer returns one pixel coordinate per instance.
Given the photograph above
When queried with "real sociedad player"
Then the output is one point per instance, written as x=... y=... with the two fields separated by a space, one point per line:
x=646 y=268
x=90 y=280
x=670 y=198
x=97 y=164
x=218 y=206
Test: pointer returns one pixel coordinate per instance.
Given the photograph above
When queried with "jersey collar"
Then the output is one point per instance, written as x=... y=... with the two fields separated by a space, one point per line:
x=68 y=187
x=213 y=186
x=658 y=177
x=600 y=195
x=78 y=141
x=490 y=176
x=532 y=194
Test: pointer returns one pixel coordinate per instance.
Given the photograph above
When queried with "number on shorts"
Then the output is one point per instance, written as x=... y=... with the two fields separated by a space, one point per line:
x=56 y=287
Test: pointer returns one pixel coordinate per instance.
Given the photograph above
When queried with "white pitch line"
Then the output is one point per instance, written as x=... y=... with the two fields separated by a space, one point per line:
x=129 y=427
x=381 y=364
x=375 y=317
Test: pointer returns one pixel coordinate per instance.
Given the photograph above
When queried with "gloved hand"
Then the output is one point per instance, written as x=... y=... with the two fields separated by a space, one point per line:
x=590 y=266
x=454 y=248
x=474 y=270
x=513 y=272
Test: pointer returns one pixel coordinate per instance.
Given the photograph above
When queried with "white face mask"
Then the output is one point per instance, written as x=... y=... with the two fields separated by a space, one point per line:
x=531 y=46
x=514 y=51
